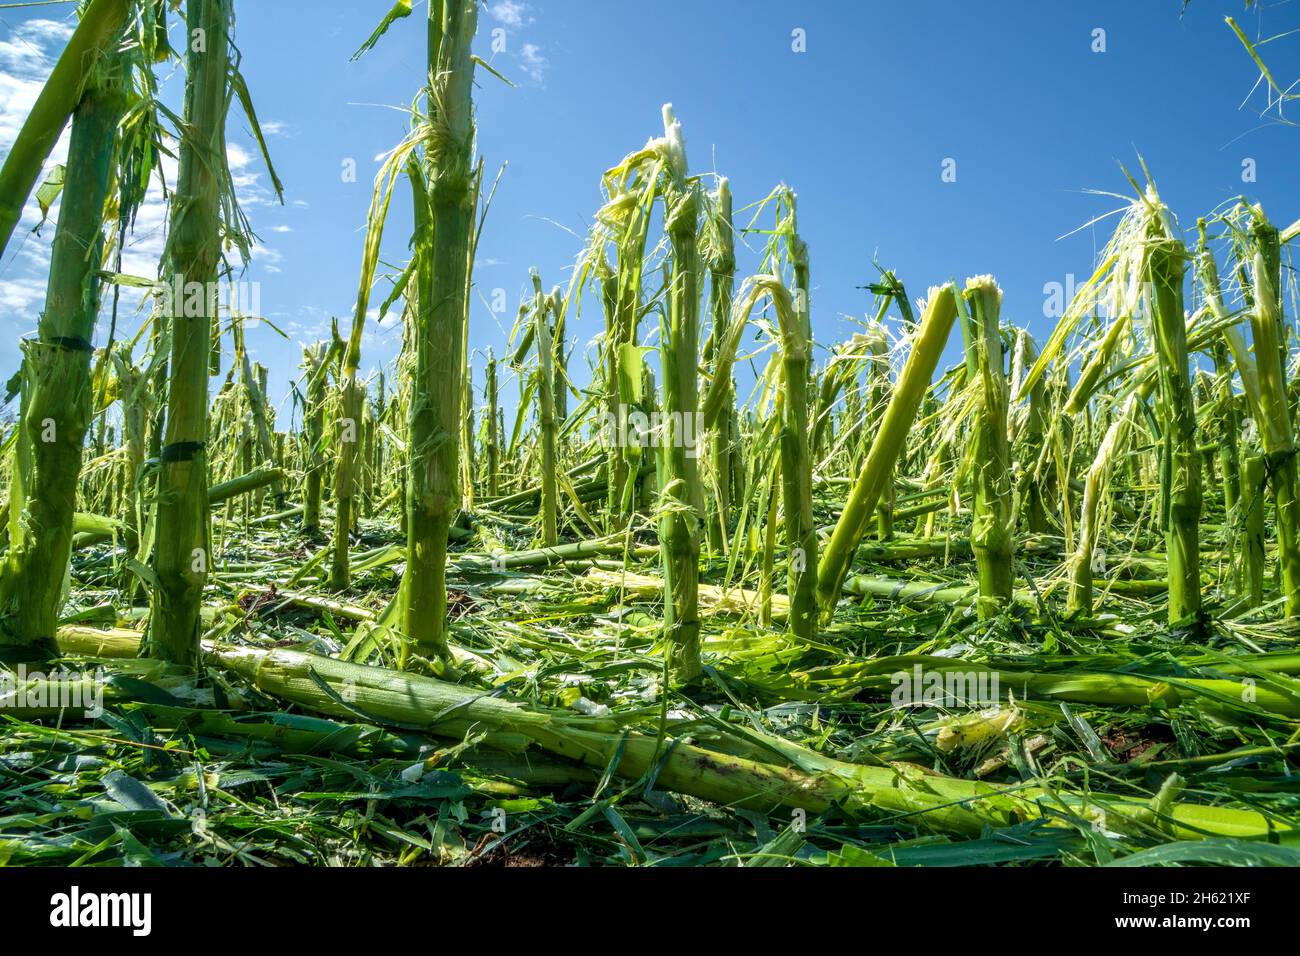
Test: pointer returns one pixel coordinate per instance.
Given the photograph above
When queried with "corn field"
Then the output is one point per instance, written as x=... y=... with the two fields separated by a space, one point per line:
x=706 y=590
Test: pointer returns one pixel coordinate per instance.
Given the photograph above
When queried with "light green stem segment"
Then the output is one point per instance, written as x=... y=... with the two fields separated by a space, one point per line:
x=1030 y=442
x=493 y=432
x=57 y=411
x=433 y=480
x=1180 y=458
x=546 y=410
x=877 y=470
x=796 y=456
x=1252 y=550
x=681 y=498
x=722 y=281
x=1094 y=493
x=1229 y=418
x=182 y=551
x=1277 y=431
x=994 y=521
x=347 y=439
x=315 y=363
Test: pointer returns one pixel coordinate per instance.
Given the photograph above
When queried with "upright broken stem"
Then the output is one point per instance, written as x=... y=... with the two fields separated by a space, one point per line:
x=181 y=554
x=58 y=409
x=434 y=495
x=1181 y=464
x=994 y=521
x=681 y=498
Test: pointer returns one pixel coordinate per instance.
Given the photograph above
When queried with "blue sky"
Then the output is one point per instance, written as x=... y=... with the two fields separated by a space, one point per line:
x=859 y=125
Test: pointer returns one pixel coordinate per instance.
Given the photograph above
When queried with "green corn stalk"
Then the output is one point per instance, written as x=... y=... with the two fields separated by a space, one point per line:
x=493 y=432
x=1229 y=417
x=1035 y=508
x=316 y=365
x=57 y=366
x=559 y=360
x=994 y=519
x=878 y=396
x=722 y=282
x=1229 y=427
x=445 y=188
x=542 y=309
x=627 y=217
x=1276 y=429
x=799 y=777
x=181 y=550
x=936 y=323
x=254 y=383
x=1253 y=483
x=1096 y=484
x=347 y=441
x=1180 y=464
x=681 y=498
x=796 y=471
x=137 y=404
x=796 y=458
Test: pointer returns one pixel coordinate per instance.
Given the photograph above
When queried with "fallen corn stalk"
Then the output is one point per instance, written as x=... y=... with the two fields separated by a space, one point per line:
x=941 y=803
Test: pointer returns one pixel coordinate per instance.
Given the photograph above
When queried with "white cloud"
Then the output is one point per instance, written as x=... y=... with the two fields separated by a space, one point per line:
x=268 y=257
x=532 y=61
x=237 y=157
x=23 y=296
x=27 y=56
x=510 y=13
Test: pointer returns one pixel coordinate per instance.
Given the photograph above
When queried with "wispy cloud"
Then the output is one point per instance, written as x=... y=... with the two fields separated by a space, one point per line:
x=533 y=62
x=27 y=56
x=510 y=13
x=513 y=16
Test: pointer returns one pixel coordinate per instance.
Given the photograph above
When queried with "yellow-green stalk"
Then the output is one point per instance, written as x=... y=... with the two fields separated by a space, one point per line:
x=928 y=344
